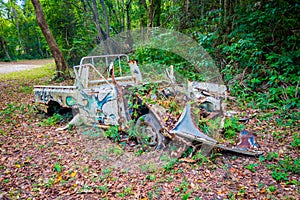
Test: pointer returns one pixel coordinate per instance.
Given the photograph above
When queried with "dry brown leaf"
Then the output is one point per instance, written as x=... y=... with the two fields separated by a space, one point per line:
x=188 y=160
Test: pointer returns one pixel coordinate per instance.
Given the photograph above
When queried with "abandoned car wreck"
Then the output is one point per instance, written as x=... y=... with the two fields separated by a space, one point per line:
x=160 y=111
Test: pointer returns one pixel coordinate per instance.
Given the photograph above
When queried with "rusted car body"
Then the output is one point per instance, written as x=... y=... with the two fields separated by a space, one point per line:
x=107 y=92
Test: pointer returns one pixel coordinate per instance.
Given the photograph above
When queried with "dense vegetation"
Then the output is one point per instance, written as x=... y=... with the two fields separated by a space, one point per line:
x=255 y=44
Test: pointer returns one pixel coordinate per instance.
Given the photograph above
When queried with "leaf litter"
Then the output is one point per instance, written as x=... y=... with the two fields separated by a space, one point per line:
x=38 y=162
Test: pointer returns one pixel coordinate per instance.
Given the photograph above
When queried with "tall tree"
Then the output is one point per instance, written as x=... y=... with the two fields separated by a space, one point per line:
x=101 y=33
x=154 y=13
x=16 y=22
x=105 y=16
x=3 y=44
x=143 y=12
x=61 y=64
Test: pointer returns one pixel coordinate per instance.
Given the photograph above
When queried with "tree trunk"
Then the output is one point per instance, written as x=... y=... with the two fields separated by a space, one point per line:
x=151 y=13
x=3 y=44
x=154 y=13
x=106 y=17
x=202 y=9
x=17 y=26
x=157 y=12
x=129 y=38
x=114 y=12
x=143 y=17
x=61 y=65
x=128 y=21
x=101 y=34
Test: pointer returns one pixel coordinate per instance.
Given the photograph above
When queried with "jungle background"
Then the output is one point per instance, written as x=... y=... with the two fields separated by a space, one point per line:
x=255 y=44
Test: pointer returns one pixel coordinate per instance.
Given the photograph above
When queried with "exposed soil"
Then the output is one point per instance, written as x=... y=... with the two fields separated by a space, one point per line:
x=7 y=67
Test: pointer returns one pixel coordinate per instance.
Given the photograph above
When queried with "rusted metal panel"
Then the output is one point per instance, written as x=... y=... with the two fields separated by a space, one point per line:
x=60 y=94
x=187 y=128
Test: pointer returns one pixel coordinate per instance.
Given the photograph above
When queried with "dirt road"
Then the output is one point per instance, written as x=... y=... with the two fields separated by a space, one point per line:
x=7 y=67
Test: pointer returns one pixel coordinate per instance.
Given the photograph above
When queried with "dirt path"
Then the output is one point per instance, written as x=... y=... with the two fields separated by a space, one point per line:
x=7 y=67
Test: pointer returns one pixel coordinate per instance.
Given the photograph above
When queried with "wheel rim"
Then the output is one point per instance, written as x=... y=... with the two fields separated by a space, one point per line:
x=149 y=135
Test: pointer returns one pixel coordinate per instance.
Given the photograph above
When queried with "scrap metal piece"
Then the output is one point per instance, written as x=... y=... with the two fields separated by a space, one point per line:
x=199 y=88
x=148 y=125
x=244 y=120
x=170 y=74
x=122 y=103
x=135 y=71
x=45 y=94
x=248 y=152
x=247 y=140
x=209 y=93
x=186 y=126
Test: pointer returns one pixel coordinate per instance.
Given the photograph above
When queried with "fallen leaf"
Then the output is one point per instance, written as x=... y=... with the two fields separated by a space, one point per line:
x=73 y=174
x=262 y=191
x=189 y=160
x=232 y=170
x=58 y=179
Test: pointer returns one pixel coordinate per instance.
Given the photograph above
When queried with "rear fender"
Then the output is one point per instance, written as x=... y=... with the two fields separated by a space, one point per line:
x=186 y=127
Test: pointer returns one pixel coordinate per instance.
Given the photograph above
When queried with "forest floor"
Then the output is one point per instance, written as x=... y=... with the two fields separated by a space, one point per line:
x=38 y=162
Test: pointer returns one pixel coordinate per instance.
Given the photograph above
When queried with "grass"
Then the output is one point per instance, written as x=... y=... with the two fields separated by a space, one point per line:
x=31 y=74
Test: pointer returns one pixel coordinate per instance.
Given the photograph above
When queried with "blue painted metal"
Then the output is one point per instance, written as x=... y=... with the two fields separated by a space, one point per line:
x=186 y=125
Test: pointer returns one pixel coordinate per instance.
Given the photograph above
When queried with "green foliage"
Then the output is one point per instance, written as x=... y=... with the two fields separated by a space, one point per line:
x=128 y=190
x=26 y=89
x=271 y=189
x=149 y=167
x=72 y=29
x=290 y=165
x=272 y=156
x=2 y=132
x=142 y=90
x=209 y=126
x=85 y=189
x=186 y=195
x=231 y=127
x=255 y=43
x=151 y=177
x=261 y=158
x=251 y=167
x=296 y=141
x=161 y=59
x=281 y=171
x=20 y=33
x=57 y=167
x=51 y=121
x=113 y=132
x=201 y=159
x=103 y=188
x=23 y=38
x=13 y=110
x=169 y=163
x=115 y=150
x=260 y=52
x=9 y=110
x=183 y=187
x=279 y=175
